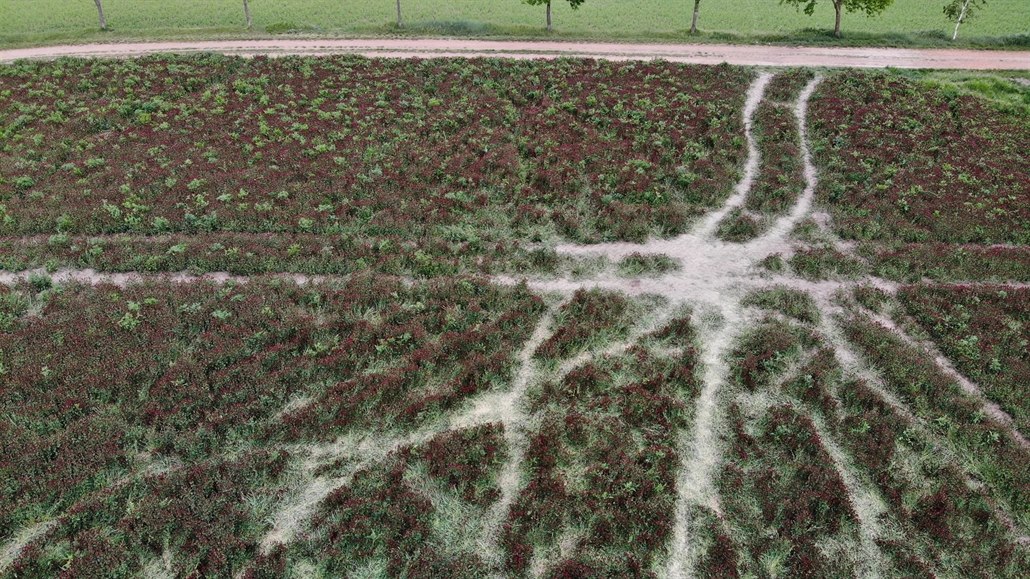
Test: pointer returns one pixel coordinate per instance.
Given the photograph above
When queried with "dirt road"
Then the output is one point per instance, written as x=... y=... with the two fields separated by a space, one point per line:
x=435 y=47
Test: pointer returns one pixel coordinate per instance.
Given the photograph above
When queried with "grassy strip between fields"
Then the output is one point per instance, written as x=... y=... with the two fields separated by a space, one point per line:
x=905 y=23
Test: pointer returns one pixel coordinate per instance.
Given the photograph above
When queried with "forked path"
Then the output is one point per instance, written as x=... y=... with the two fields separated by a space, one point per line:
x=716 y=275
x=440 y=47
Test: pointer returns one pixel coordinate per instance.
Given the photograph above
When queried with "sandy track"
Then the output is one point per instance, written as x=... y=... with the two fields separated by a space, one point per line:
x=440 y=47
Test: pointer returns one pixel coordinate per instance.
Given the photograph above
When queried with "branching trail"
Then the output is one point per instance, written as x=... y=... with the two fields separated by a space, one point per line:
x=504 y=408
x=869 y=507
x=515 y=420
x=716 y=274
x=710 y=222
x=362 y=451
x=714 y=277
x=516 y=437
x=700 y=449
x=854 y=365
x=803 y=206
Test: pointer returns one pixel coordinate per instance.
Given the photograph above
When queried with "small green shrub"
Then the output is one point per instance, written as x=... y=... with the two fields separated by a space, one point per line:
x=637 y=264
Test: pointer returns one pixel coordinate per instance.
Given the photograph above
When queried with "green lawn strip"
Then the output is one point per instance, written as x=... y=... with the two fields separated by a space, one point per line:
x=906 y=23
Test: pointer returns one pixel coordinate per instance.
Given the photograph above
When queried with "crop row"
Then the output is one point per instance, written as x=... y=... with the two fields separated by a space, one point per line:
x=785 y=87
x=781 y=477
x=901 y=162
x=780 y=179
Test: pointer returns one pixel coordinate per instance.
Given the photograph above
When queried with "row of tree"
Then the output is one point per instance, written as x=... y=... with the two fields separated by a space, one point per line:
x=958 y=11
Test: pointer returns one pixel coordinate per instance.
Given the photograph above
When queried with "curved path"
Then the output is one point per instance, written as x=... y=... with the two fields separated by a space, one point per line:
x=716 y=275
x=438 y=47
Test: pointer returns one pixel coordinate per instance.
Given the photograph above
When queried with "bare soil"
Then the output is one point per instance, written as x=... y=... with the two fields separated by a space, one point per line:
x=440 y=47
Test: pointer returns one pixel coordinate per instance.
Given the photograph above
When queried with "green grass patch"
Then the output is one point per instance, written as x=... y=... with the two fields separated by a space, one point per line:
x=906 y=23
x=790 y=302
x=644 y=264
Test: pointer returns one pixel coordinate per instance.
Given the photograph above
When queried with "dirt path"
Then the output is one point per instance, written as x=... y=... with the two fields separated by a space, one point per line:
x=438 y=47
x=946 y=367
x=516 y=437
x=715 y=276
x=10 y=551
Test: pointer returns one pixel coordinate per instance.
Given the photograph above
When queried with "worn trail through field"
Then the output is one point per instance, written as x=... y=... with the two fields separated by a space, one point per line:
x=9 y=552
x=713 y=279
x=991 y=408
x=512 y=414
x=716 y=275
x=855 y=366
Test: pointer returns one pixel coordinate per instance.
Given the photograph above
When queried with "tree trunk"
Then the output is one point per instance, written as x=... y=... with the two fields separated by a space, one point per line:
x=961 y=17
x=400 y=19
x=548 y=15
x=693 y=21
x=100 y=13
x=246 y=12
x=838 y=5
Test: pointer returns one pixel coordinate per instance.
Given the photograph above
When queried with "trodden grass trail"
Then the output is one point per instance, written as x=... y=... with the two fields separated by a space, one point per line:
x=300 y=315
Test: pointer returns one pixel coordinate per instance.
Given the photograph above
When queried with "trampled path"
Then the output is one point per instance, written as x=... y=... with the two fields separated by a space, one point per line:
x=714 y=278
x=439 y=47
